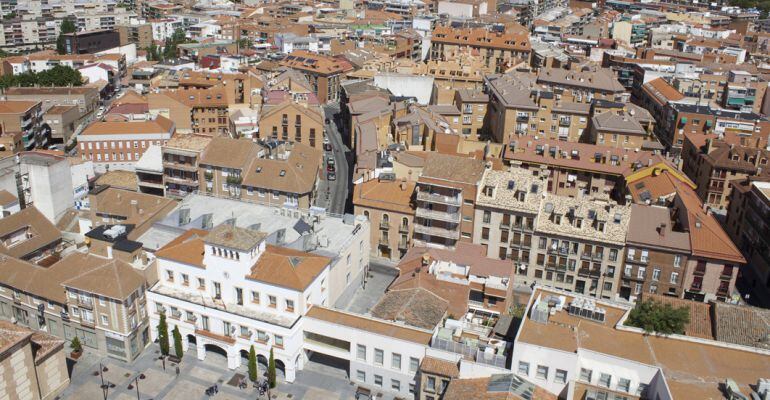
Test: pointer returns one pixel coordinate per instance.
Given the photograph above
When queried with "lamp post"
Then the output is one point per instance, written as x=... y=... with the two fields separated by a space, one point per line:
x=105 y=386
x=136 y=384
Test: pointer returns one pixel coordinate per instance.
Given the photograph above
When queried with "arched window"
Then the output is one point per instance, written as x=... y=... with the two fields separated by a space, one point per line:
x=404 y=223
x=366 y=214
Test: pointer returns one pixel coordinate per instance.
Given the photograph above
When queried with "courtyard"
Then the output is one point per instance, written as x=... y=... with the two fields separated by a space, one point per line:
x=315 y=382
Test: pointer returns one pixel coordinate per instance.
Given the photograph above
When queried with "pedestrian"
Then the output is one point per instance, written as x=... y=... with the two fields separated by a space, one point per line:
x=177 y=371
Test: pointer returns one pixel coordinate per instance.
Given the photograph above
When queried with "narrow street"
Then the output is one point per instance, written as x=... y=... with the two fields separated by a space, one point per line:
x=333 y=194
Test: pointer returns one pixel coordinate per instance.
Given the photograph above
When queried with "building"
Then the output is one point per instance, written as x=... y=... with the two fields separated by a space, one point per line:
x=293 y=121
x=34 y=363
x=149 y=171
x=747 y=223
x=561 y=347
x=85 y=98
x=140 y=34
x=445 y=197
x=120 y=144
x=88 y=42
x=285 y=174
x=108 y=206
x=24 y=117
x=716 y=163
x=223 y=163
x=323 y=72
x=181 y=157
x=70 y=299
x=473 y=107
x=63 y=120
x=500 y=50
x=28 y=235
x=389 y=205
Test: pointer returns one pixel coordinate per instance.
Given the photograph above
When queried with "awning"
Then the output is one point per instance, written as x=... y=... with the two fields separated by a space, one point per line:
x=709 y=123
x=684 y=120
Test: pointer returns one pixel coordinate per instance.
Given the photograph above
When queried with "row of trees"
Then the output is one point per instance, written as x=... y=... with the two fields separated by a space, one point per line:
x=60 y=75
x=165 y=347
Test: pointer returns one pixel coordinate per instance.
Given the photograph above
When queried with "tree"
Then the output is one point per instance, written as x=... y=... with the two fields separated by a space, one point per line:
x=75 y=345
x=252 y=364
x=657 y=317
x=177 y=342
x=163 y=334
x=271 y=370
x=67 y=26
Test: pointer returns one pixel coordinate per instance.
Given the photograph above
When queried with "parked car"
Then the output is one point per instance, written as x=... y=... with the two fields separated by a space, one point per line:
x=327 y=146
x=331 y=176
x=330 y=165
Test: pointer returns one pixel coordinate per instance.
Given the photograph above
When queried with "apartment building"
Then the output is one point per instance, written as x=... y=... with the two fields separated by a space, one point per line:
x=576 y=169
x=747 y=223
x=223 y=163
x=389 y=206
x=283 y=173
x=715 y=164
x=109 y=206
x=205 y=109
x=445 y=195
x=473 y=108
x=85 y=98
x=323 y=72
x=141 y=34
x=69 y=299
x=62 y=120
x=499 y=49
x=553 y=350
x=120 y=144
x=506 y=211
x=520 y=107
x=618 y=126
x=34 y=363
x=181 y=157
x=291 y=120
x=26 y=118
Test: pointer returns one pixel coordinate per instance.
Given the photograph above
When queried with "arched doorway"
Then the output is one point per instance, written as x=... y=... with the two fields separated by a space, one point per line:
x=261 y=364
x=192 y=347
x=216 y=354
x=244 y=357
x=280 y=370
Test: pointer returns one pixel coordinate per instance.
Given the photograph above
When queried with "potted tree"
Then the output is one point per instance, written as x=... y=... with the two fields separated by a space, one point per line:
x=77 y=348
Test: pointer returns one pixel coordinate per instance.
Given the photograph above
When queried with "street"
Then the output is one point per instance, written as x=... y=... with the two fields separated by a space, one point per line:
x=333 y=194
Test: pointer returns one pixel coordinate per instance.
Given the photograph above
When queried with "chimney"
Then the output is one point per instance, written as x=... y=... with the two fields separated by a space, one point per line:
x=402 y=185
x=134 y=207
x=662 y=229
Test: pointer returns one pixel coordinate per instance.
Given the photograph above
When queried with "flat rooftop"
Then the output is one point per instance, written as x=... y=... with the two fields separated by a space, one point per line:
x=285 y=227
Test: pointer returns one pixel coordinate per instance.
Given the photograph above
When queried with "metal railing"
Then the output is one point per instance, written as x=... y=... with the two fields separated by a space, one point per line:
x=439 y=198
x=473 y=353
x=438 y=215
x=434 y=231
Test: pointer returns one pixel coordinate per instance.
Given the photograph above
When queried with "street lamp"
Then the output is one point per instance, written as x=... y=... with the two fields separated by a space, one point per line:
x=105 y=386
x=136 y=384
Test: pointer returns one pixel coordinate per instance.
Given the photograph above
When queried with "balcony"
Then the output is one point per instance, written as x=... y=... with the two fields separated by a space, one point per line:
x=434 y=231
x=522 y=118
x=383 y=241
x=187 y=181
x=384 y=225
x=555 y=266
x=403 y=229
x=86 y=303
x=403 y=245
x=87 y=324
x=447 y=216
x=455 y=200
x=696 y=286
x=214 y=336
x=589 y=272
x=180 y=166
x=564 y=121
x=699 y=271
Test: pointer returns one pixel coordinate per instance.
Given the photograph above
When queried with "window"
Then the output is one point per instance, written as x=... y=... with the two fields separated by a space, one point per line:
x=523 y=368
x=255 y=297
x=645 y=255
x=585 y=375
x=395 y=361
x=561 y=376
x=641 y=273
x=412 y=388
x=201 y=283
x=361 y=375
x=613 y=255
x=487 y=217
x=279 y=341
x=542 y=372
x=290 y=305
x=414 y=364
x=395 y=385
x=656 y=274
x=378 y=380
x=431 y=384
x=361 y=352
x=674 y=277
x=378 y=356
x=244 y=331
x=677 y=261
x=624 y=384
x=169 y=275
x=272 y=300
x=605 y=380
x=105 y=321
x=185 y=280
x=262 y=336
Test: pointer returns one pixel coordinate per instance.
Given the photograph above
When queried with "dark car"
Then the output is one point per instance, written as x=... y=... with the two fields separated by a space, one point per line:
x=326 y=121
x=331 y=176
x=327 y=146
x=330 y=165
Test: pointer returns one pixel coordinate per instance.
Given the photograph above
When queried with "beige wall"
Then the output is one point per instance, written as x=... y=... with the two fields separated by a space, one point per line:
x=17 y=372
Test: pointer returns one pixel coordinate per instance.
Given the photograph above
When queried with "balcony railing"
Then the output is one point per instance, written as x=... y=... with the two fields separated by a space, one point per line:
x=447 y=216
x=434 y=231
x=384 y=225
x=89 y=304
x=403 y=245
x=589 y=272
x=403 y=228
x=383 y=242
x=455 y=200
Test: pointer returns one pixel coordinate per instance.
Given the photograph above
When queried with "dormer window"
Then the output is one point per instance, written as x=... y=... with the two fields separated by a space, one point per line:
x=489 y=190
